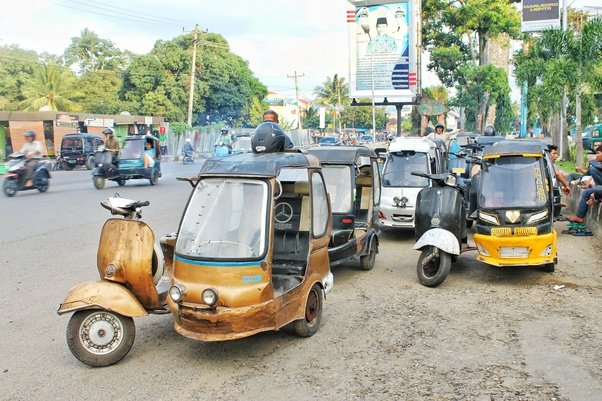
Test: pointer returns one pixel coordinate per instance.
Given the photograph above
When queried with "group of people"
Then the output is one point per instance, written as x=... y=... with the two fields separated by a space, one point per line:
x=591 y=183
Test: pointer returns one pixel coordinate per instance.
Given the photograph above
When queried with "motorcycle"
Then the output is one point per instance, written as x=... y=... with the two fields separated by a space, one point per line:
x=15 y=179
x=187 y=158
x=440 y=227
x=221 y=150
x=58 y=164
x=134 y=282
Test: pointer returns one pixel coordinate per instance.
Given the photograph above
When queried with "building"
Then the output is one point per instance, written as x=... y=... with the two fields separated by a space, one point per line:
x=51 y=126
x=286 y=108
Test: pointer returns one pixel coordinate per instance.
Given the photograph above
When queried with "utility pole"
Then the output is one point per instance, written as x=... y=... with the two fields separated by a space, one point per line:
x=296 y=76
x=195 y=31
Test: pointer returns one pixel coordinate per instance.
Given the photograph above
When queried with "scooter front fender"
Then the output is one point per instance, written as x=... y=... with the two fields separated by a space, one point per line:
x=441 y=239
x=102 y=295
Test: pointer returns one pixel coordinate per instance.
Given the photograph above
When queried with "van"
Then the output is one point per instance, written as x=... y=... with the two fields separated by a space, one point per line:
x=78 y=149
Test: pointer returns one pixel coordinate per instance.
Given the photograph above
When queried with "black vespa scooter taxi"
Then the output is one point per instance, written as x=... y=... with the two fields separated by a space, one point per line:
x=353 y=183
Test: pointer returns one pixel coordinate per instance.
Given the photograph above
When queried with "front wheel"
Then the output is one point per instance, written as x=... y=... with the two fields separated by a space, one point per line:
x=433 y=266
x=10 y=187
x=309 y=325
x=68 y=166
x=549 y=267
x=99 y=182
x=100 y=338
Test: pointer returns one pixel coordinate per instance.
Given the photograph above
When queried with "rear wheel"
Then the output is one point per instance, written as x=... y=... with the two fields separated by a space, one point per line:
x=99 y=337
x=433 y=267
x=367 y=261
x=10 y=187
x=99 y=182
x=121 y=182
x=44 y=187
x=90 y=163
x=155 y=178
x=309 y=325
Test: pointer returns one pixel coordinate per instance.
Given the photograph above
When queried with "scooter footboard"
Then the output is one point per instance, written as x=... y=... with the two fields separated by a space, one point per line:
x=441 y=239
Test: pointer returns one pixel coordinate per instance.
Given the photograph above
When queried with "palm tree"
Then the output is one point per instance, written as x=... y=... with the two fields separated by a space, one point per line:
x=333 y=92
x=580 y=50
x=53 y=86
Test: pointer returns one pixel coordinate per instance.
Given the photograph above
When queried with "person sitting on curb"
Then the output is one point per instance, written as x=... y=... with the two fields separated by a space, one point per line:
x=566 y=188
x=590 y=189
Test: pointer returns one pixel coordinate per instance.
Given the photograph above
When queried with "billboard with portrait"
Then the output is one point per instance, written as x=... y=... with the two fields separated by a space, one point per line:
x=382 y=50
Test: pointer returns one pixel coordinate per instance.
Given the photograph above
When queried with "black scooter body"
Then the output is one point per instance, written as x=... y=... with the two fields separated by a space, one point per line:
x=443 y=206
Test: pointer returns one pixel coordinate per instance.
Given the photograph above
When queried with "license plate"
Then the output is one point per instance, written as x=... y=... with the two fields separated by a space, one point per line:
x=514 y=252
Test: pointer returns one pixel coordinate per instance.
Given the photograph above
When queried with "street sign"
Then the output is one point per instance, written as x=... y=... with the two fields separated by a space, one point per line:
x=148 y=120
x=539 y=15
x=431 y=107
x=99 y=122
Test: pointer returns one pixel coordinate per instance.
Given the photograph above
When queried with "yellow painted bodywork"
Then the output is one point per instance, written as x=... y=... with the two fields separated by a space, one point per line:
x=102 y=295
x=128 y=246
x=536 y=245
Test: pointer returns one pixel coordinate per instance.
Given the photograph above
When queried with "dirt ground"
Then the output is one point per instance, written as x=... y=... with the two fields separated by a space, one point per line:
x=484 y=334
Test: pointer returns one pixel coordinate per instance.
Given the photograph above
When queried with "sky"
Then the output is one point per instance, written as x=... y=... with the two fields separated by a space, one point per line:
x=277 y=37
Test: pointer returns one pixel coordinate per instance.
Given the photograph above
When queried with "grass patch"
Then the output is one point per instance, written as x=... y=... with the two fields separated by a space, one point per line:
x=566 y=166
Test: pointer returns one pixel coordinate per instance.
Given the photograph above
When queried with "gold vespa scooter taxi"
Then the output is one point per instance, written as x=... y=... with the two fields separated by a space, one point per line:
x=252 y=248
x=134 y=282
x=515 y=211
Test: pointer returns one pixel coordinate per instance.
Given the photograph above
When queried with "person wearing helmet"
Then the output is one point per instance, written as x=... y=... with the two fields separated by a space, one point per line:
x=272 y=116
x=187 y=149
x=489 y=131
x=224 y=139
x=440 y=134
x=111 y=144
x=32 y=150
x=268 y=138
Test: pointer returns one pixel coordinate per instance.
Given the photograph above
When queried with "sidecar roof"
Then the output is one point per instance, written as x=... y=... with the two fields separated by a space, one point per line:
x=509 y=148
x=257 y=164
x=340 y=154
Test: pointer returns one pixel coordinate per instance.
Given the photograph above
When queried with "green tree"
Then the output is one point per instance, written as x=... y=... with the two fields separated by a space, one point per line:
x=16 y=66
x=92 y=53
x=361 y=116
x=51 y=86
x=333 y=94
x=101 y=91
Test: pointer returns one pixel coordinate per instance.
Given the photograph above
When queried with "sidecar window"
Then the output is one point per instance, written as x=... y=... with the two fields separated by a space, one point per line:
x=131 y=150
x=320 y=211
x=225 y=219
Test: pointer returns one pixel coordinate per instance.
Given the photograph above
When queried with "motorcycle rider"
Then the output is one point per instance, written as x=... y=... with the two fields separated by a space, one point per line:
x=224 y=139
x=111 y=144
x=440 y=134
x=187 y=149
x=32 y=150
x=268 y=138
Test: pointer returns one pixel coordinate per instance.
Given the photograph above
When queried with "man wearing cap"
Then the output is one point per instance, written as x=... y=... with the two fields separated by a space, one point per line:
x=382 y=43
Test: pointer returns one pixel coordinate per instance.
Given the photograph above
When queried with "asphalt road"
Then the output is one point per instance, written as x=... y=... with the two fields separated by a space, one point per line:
x=484 y=334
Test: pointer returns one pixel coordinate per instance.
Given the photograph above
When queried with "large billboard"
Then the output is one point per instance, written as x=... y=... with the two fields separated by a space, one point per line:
x=382 y=49
x=539 y=15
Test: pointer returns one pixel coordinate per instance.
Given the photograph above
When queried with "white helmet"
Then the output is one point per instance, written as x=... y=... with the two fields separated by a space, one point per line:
x=188 y=140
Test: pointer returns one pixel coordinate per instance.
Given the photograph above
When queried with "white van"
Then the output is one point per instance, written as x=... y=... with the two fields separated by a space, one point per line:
x=399 y=187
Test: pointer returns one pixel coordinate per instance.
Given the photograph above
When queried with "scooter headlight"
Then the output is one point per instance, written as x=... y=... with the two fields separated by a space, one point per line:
x=209 y=297
x=489 y=218
x=538 y=216
x=176 y=292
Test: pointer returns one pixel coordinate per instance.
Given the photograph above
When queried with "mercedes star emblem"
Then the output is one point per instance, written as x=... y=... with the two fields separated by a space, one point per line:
x=283 y=212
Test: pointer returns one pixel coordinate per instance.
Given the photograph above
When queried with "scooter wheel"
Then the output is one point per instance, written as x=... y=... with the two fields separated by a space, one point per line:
x=435 y=271
x=99 y=182
x=100 y=338
x=10 y=187
x=309 y=325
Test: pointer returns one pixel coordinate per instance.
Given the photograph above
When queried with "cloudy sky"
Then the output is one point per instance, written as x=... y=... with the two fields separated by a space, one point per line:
x=276 y=37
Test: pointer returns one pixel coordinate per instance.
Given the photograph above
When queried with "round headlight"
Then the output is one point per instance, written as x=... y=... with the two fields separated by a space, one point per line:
x=175 y=293
x=435 y=221
x=209 y=296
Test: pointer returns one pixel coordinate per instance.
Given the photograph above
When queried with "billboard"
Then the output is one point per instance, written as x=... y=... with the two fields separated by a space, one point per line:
x=539 y=15
x=382 y=49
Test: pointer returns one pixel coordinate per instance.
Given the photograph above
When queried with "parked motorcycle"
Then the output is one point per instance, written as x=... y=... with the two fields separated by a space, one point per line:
x=134 y=281
x=15 y=179
x=440 y=227
x=58 y=164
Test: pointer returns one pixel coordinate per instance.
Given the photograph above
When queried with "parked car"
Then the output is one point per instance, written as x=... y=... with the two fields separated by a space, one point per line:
x=329 y=141
x=591 y=137
x=366 y=139
x=78 y=149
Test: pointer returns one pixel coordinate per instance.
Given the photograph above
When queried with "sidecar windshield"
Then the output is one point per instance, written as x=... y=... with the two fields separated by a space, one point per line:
x=226 y=219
